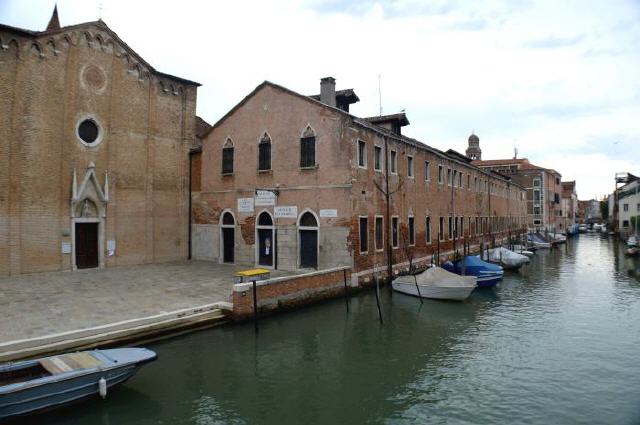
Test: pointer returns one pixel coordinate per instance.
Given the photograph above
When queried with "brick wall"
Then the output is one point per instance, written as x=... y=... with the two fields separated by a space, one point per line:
x=290 y=291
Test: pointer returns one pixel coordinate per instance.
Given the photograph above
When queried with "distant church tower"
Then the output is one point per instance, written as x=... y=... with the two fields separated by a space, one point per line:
x=474 y=151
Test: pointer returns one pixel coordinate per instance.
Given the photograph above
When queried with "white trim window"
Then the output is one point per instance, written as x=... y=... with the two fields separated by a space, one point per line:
x=395 y=222
x=379 y=233
x=412 y=230
x=377 y=158
x=410 y=166
x=427 y=171
x=363 y=232
x=441 y=229
x=362 y=154
x=393 y=162
x=427 y=229
x=440 y=174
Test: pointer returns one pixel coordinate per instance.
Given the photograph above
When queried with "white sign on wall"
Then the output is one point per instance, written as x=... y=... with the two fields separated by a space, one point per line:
x=245 y=205
x=111 y=248
x=286 y=211
x=265 y=198
x=66 y=247
x=328 y=213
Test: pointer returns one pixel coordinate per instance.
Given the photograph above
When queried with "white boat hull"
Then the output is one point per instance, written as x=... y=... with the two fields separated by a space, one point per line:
x=455 y=293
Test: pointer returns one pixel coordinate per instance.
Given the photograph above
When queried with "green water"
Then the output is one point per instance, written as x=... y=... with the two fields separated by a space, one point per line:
x=556 y=343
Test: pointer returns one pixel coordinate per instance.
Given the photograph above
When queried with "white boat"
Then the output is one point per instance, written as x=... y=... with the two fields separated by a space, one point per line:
x=520 y=249
x=557 y=238
x=632 y=241
x=597 y=227
x=506 y=258
x=436 y=283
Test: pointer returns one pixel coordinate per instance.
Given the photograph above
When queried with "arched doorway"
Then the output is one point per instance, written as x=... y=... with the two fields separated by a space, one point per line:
x=308 y=240
x=266 y=245
x=228 y=237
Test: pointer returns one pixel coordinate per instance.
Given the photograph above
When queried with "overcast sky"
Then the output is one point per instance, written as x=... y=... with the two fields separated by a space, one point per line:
x=559 y=80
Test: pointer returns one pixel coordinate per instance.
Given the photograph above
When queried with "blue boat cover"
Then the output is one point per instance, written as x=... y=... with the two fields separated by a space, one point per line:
x=473 y=265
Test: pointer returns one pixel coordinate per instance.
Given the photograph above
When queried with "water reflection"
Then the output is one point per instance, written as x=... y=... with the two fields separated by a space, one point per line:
x=548 y=345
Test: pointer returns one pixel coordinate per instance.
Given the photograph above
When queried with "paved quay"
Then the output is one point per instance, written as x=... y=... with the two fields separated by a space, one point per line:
x=43 y=304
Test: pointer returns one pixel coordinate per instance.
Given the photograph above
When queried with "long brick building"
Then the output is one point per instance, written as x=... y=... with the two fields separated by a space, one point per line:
x=93 y=152
x=292 y=181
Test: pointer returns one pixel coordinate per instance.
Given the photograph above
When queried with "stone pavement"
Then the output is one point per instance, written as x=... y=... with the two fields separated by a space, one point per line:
x=49 y=303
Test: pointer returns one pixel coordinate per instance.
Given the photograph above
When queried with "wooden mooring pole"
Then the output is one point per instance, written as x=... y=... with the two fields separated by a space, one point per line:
x=255 y=306
x=378 y=300
x=346 y=291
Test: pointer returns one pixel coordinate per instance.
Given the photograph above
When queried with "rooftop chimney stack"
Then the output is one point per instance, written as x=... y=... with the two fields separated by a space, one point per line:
x=328 y=91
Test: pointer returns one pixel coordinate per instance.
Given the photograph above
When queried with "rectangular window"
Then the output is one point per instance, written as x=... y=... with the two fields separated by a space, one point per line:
x=364 y=235
x=362 y=154
x=536 y=182
x=377 y=158
x=440 y=174
x=455 y=177
x=455 y=227
x=428 y=230
x=427 y=171
x=476 y=228
x=393 y=165
x=475 y=183
x=227 y=161
x=379 y=232
x=536 y=196
x=536 y=222
x=460 y=178
x=264 y=156
x=625 y=207
x=394 y=232
x=450 y=227
x=536 y=210
x=308 y=152
x=412 y=231
x=638 y=207
x=468 y=181
x=556 y=198
x=441 y=229
x=449 y=178
x=625 y=223
x=410 y=166
x=461 y=227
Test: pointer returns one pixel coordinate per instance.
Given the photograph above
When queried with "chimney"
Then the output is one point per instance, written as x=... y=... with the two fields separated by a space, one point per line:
x=328 y=91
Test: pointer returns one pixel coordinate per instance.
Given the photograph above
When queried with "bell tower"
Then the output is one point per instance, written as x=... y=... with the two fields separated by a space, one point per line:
x=473 y=151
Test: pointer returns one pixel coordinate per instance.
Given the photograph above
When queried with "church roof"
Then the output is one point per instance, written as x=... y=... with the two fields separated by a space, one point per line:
x=54 y=28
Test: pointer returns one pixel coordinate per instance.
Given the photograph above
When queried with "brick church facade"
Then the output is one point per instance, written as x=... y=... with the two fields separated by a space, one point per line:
x=94 y=149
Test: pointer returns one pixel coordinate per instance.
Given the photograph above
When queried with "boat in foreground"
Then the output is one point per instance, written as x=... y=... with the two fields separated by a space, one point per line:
x=538 y=241
x=506 y=258
x=32 y=385
x=487 y=274
x=632 y=241
x=436 y=283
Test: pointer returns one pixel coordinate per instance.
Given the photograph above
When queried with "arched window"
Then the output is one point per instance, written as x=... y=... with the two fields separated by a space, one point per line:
x=227 y=218
x=227 y=157
x=264 y=152
x=308 y=220
x=265 y=219
x=308 y=148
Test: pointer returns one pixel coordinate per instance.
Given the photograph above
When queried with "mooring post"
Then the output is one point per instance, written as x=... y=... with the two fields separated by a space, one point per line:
x=378 y=300
x=346 y=292
x=255 y=305
x=415 y=279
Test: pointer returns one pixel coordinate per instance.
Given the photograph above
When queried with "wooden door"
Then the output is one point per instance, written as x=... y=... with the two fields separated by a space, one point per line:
x=86 y=245
x=309 y=249
x=228 y=244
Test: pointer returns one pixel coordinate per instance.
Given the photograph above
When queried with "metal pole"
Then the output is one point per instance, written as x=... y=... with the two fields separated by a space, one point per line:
x=255 y=306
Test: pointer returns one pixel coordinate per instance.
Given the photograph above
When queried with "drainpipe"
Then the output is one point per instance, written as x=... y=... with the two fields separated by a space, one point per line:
x=388 y=214
x=189 y=204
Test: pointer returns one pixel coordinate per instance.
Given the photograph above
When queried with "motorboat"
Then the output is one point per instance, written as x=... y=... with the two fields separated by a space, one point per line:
x=436 y=283
x=538 y=241
x=557 y=238
x=573 y=230
x=506 y=258
x=487 y=274
x=582 y=228
x=524 y=250
x=597 y=227
x=32 y=385
x=632 y=241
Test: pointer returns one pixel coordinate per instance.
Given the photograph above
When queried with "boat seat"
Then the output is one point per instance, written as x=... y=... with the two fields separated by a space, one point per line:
x=68 y=362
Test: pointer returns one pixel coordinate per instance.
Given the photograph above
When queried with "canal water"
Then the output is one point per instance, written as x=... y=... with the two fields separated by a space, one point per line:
x=555 y=343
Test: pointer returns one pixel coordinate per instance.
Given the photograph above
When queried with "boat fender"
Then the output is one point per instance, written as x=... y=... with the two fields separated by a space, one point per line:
x=102 y=387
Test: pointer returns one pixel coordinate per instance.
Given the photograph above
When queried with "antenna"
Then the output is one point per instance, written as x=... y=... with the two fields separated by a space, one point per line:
x=379 y=94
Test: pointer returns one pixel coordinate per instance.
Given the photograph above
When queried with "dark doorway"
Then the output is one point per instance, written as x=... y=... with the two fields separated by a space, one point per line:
x=265 y=247
x=228 y=238
x=309 y=249
x=228 y=243
x=86 y=245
